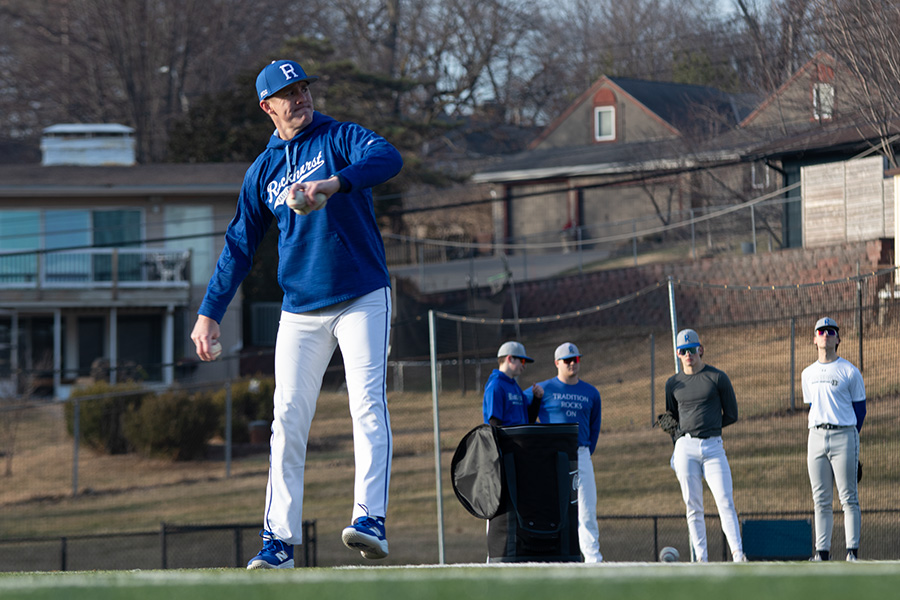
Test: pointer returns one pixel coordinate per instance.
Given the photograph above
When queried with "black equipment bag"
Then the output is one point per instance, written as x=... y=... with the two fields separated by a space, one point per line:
x=538 y=516
x=476 y=472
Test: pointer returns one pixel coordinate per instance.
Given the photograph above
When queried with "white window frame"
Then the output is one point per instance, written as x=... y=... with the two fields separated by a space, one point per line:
x=759 y=176
x=610 y=110
x=823 y=101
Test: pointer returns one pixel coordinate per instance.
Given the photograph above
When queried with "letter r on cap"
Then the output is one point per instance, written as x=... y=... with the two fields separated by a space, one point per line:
x=288 y=71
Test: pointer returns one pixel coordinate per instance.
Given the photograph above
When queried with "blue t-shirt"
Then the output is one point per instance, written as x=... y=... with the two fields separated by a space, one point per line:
x=577 y=403
x=503 y=399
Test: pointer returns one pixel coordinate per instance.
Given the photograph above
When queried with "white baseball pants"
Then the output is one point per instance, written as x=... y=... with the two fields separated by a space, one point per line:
x=588 y=532
x=303 y=349
x=696 y=459
x=832 y=458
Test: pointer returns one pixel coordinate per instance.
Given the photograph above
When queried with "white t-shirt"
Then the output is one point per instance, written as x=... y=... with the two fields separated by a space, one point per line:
x=831 y=389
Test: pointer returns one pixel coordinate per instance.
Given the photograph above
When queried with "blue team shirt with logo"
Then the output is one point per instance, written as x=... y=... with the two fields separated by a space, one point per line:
x=578 y=403
x=328 y=256
x=503 y=399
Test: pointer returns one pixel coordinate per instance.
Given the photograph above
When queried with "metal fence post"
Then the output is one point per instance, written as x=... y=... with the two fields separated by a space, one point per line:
x=462 y=363
x=310 y=547
x=421 y=253
x=478 y=375
x=162 y=546
x=634 y=240
x=398 y=376
x=793 y=360
x=753 y=226
x=859 y=330
x=693 y=237
x=652 y=379
x=525 y=263
x=673 y=318
x=436 y=422
x=228 y=427
x=238 y=547
x=76 y=435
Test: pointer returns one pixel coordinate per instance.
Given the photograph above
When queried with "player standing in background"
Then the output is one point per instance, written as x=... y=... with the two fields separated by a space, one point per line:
x=702 y=401
x=568 y=399
x=334 y=275
x=504 y=403
x=833 y=387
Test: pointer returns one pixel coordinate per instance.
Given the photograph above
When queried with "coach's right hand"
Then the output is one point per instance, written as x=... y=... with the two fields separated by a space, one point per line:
x=206 y=331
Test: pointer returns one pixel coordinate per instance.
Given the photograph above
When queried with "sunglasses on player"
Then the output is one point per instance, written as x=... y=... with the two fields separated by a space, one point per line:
x=519 y=358
x=828 y=332
x=684 y=351
x=571 y=359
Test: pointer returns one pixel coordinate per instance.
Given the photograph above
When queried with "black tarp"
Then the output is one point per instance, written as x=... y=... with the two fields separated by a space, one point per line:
x=476 y=473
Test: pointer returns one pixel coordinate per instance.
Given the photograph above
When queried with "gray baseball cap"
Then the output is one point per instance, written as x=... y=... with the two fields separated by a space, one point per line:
x=567 y=350
x=827 y=323
x=687 y=338
x=513 y=349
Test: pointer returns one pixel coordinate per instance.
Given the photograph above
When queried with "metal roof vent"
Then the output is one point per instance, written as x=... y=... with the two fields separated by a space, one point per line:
x=88 y=144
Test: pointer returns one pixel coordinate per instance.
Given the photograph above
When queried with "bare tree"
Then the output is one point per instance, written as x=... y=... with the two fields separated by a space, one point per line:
x=775 y=40
x=864 y=35
x=665 y=40
x=140 y=62
x=467 y=52
x=145 y=62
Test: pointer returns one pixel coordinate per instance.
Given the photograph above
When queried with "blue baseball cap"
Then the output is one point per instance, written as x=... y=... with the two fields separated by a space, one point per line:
x=687 y=338
x=827 y=323
x=279 y=74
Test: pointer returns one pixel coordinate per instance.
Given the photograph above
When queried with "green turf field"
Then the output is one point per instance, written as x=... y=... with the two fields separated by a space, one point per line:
x=611 y=581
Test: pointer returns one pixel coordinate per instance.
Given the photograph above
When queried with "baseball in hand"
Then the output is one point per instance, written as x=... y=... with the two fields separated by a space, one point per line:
x=298 y=203
x=215 y=349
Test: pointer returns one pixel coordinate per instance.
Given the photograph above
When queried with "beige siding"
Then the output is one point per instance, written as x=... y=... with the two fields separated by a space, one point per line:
x=639 y=125
x=792 y=106
x=618 y=204
x=576 y=130
x=534 y=215
x=896 y=220
x=824 y=217
x=865 y=199
x=889 y=207
x=846 y=202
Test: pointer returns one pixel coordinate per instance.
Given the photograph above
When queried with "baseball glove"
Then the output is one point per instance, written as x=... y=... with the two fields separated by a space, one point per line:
x=668 y=423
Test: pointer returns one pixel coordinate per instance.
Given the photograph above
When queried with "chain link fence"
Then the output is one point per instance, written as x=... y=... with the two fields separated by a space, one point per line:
x=762 y=338
x=103 y=510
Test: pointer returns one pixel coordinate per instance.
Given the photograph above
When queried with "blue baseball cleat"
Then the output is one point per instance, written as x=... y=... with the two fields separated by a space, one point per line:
x=367 y=535
x=275 y=554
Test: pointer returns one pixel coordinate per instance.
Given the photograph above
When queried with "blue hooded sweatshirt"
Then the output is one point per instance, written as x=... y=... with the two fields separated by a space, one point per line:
x=328 y=256
x=503 y=399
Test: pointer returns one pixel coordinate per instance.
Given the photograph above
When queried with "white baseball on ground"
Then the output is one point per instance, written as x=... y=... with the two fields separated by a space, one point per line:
x=668 y=554
x=215 y=349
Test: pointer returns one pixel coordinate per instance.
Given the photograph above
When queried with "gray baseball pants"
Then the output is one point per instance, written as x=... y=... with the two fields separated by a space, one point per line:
x=832 y=458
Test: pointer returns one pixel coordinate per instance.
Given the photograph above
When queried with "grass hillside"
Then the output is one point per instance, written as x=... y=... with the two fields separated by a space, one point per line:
x=766 y=449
